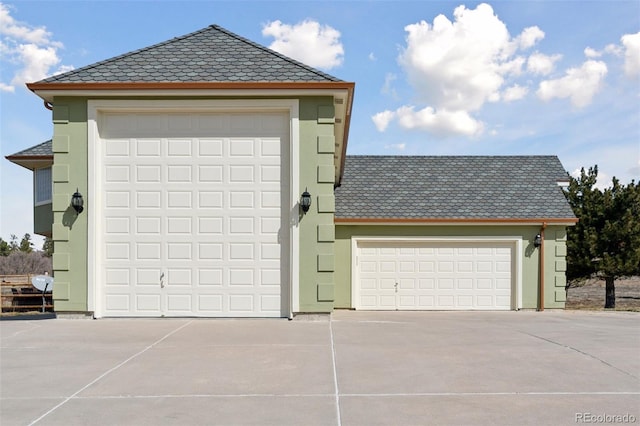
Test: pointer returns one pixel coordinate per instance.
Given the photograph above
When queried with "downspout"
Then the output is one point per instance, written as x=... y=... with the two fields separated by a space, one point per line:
x=541 y=266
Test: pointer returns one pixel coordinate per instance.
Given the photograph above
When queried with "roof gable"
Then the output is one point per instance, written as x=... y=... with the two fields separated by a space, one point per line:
x=212 y=54
x=455 y=188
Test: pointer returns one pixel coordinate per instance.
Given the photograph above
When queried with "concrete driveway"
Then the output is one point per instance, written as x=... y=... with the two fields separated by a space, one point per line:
x=360 y=368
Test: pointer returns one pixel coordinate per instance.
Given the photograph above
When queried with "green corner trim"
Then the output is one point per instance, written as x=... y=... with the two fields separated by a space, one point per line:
x=61 y=144
x=326 y=204
x=326 y=114
x=61 y=114
x=561 y=265
x=325 y=293
x=326 y=263
x=326 y=144
x=60 y=173
x=60 y=232
x=561 y=250
x=60 y=262
x=326 y=174
x=561 y=296
x=561 y=281
x=61 y=291
x=326 y=233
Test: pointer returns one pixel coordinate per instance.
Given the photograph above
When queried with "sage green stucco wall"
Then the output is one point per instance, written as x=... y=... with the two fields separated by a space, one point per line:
x=42 y=219
x=316 y=230
x=69 y=173
x=555 y=251
x=317 y=258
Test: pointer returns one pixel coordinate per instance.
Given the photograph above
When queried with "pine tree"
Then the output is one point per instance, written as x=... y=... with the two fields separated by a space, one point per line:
x=26 y=246
x=606 y=239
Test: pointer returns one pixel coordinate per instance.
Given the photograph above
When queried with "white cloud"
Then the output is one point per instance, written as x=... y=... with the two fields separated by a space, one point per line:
x=6 y=88
x=441 y=123
x=603 y=181
x=456 y=67
x=396 y=146
x=372 y=57
x=541 y=64
x=631 y=43
x=578 y=84
x=455 y=64
x=387 y=88
x=12 y=29
x=514 y=93
x=613 y=49
x=308 y=42
x=529 y=37
x=29 y=49
x=592 y=53
x=382 y=120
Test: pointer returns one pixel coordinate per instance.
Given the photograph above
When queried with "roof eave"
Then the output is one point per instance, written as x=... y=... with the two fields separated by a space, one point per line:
x=47 y=90
x=31 y=162
x=455 y=221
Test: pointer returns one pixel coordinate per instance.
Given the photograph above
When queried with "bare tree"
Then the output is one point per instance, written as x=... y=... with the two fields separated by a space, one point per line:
x=19 y=263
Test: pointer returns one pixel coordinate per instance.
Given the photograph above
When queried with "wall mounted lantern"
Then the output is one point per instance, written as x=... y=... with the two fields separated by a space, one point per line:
x=77 y=202
x=305 y=201
x=537 y=241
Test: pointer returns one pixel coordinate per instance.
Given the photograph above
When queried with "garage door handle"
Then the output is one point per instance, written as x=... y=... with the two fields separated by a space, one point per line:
x=162 y=280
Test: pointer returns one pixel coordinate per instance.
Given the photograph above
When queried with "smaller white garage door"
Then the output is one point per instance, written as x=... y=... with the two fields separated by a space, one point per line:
x=434 y=276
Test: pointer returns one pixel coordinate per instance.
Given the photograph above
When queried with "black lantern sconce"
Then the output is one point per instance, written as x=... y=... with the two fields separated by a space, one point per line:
x=305 y=201
x=77 y=202
x=537 y=241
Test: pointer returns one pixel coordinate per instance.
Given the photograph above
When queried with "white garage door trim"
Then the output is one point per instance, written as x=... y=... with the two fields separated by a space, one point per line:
x=94 y=195
x=514 y=241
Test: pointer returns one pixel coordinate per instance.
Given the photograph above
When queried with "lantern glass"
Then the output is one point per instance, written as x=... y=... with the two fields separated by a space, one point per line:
x=305 y=201
x=537 y=241
x=77 y=202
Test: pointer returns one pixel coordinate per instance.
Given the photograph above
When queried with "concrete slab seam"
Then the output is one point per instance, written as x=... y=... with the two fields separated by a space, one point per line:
x=106 y=373
x=583 y=353
x=30 y=323
x=335 y=373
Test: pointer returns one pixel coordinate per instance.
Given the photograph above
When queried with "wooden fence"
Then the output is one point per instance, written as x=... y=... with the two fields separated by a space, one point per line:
x=19 y=295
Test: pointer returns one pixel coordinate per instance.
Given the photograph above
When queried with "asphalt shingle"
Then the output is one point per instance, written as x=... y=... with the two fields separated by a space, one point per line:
x=43 y=149
x=212 y=54
x=452 y=187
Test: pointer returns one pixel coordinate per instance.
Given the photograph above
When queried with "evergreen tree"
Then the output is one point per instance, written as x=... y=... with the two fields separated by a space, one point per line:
x=26 y=246
x=618 y=242
x=5 y=248
x=47 y=247
x=606 y=239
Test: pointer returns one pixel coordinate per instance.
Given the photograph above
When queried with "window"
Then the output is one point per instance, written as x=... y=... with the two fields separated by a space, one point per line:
x=42 y=186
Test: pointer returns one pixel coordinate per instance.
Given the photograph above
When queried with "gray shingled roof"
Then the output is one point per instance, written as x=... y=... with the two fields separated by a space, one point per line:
x=212 y=54
x=44 y=149
x=452 y=187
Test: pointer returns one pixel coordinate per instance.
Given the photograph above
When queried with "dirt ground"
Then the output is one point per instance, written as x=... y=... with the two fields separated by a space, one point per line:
x=590 y=295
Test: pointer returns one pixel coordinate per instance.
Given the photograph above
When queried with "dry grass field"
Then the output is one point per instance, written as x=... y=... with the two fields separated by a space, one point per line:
x=589 y=294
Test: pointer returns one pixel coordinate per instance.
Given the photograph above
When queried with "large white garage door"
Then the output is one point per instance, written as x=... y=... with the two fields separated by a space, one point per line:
x=434 y=275
x=193 y=216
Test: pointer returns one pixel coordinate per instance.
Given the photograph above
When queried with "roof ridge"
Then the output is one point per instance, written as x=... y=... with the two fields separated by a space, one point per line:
x=131 y=53
x=273 y=52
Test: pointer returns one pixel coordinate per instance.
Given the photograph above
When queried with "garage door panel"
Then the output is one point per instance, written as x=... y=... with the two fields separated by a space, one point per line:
x=198 y=198
x=434 y=275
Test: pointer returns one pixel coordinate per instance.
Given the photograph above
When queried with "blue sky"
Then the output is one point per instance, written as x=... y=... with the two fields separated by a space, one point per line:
x=432 y=78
